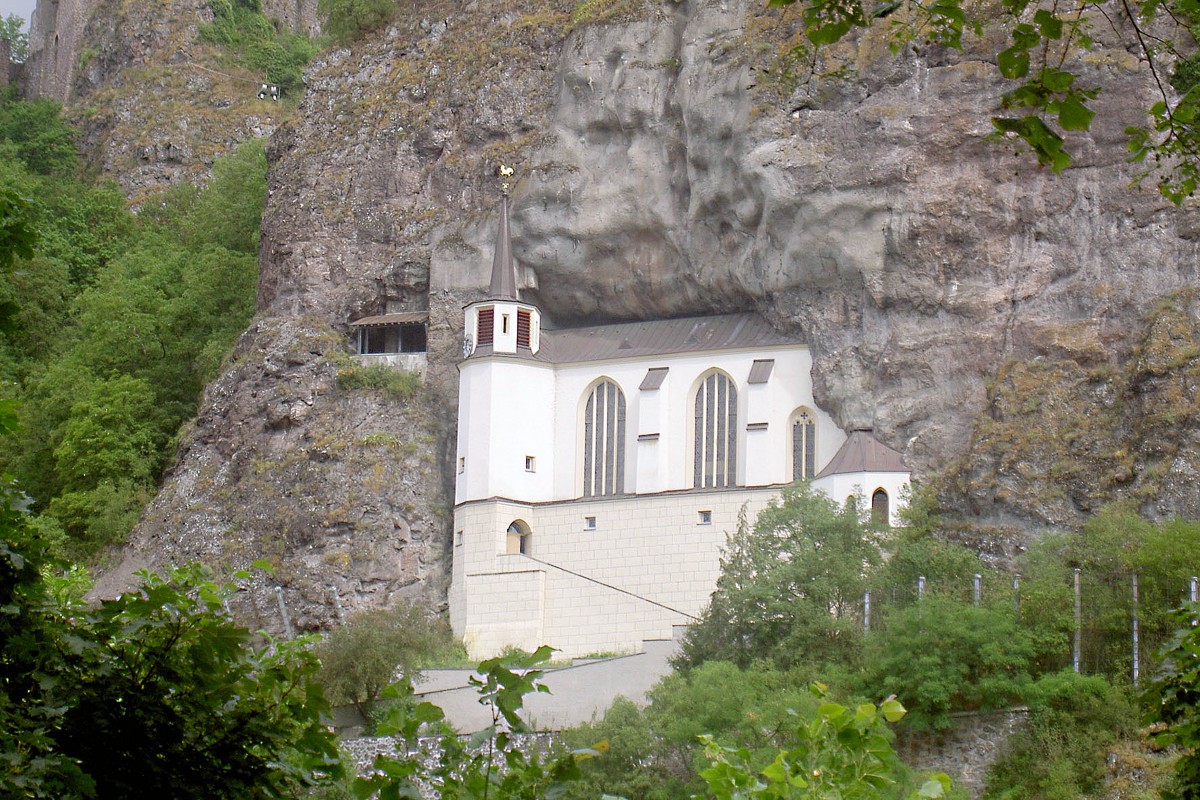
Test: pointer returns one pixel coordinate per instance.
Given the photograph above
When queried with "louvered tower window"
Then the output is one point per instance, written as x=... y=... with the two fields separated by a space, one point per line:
x=715 y=462
x=523 y=326
x=604 y=441
x=487 y=322
x=804 y=445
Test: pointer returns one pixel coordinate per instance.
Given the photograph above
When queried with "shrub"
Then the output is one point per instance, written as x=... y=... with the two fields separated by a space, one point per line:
x=359 y=659
x=1073 y=721
x=346 y=20
x=942 y=655
x=396 y=384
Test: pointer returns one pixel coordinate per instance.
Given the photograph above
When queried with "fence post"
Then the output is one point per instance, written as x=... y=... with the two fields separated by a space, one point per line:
x=1079 y=625
x=287 y=622
x=920 y=594
x=1135 y=631
x=867 y=610
x=1017 y=595
x=1192 y=584
x=978 y=581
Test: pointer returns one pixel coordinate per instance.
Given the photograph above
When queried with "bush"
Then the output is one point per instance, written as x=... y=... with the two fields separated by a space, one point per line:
x=242 y=28
x=396 y=384
x=346 y=20
x=943 y=655
x=1061 y=754
x=362 y=657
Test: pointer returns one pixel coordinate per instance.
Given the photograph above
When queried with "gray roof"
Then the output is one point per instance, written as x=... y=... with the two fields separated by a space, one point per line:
x=862 y=452
x=398 y=318
x=659 y=338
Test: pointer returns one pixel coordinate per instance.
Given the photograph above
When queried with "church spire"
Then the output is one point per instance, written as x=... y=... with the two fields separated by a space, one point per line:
x=504 y=272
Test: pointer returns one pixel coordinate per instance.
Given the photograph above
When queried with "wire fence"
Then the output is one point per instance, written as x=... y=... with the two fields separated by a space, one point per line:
x=1109 y=623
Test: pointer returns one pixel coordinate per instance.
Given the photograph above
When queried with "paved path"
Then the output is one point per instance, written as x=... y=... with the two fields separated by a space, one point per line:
x=578 y=693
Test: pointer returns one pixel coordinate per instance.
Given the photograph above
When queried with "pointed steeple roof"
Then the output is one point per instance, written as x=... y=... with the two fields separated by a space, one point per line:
x=504 y=272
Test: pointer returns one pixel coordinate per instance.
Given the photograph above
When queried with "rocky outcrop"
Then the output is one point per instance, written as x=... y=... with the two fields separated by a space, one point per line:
x=672 y=161
x=155 y=104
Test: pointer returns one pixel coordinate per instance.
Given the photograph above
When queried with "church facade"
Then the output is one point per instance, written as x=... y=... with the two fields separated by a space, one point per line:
x=600 y=469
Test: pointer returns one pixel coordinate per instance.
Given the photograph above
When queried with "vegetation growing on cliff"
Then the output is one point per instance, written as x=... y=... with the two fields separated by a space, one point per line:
x=254 y=42
x=115 y=322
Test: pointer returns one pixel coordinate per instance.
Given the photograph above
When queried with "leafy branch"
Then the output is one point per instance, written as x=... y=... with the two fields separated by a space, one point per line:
x=1049 y=100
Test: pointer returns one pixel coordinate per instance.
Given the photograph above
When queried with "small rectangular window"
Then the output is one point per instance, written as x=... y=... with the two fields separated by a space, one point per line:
x=462 y=464
x=504 y=323
x=458 y=539
x=589 y=523
x=705 y=518
x=530 y=464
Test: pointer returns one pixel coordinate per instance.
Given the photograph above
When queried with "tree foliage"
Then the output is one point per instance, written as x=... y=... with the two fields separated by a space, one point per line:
x=840 y=752
x=790 y=586
x=942 y=655
x=256 y=43
x=155 y=694
x=347 y=20
x=1174 y=702
x=1048 y=45
x=111 y=326
x=361 y=658
x=12 y=28
x=1060 y=754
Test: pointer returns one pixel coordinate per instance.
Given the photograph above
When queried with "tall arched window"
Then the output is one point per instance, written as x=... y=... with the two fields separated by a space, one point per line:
x=604 y=440
x=715 y=432
x=880 y=513
x=804 y=445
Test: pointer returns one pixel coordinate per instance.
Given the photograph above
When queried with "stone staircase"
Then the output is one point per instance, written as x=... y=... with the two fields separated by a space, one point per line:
x=579 y=693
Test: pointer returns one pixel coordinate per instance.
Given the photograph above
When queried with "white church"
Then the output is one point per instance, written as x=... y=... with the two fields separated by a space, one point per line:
x=601 y=469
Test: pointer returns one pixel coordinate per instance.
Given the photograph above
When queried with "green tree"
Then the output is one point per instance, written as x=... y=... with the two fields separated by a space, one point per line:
x=1060 y=754
x=155 y=694
x=840 y=752
x=42 y=139
x=361 y=658
x=942 y=655
x=656 y=753
x=1173 y=702
x=791 y=586
x=12 y=28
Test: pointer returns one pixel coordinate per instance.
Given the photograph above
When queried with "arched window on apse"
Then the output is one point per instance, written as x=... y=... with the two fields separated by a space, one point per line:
x=804 y=445
x=880 y=512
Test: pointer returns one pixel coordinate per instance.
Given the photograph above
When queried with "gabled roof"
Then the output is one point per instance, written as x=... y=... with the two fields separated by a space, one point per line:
x=862 y=452
x=659 y=337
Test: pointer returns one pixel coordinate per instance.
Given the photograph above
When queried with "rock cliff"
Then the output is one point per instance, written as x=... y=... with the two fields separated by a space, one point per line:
x=1027 y=337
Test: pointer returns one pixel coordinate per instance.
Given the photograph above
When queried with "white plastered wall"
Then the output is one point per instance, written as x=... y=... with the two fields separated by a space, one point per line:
x=862 y=485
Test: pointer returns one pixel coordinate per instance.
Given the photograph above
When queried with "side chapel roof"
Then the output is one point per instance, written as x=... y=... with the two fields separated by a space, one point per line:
x=862 y=452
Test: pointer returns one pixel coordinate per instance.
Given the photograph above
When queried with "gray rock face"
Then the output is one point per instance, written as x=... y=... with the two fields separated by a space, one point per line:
x=667 y=167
